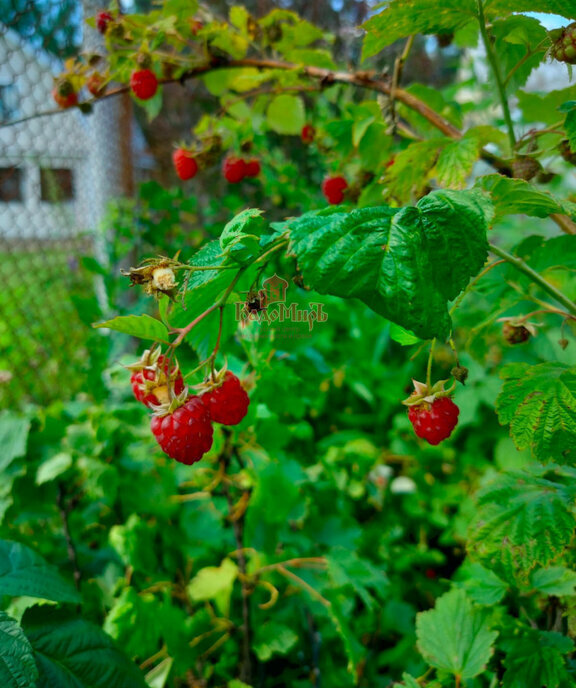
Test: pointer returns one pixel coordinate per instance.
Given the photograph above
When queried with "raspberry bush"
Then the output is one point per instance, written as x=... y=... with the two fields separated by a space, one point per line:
x=270 y=496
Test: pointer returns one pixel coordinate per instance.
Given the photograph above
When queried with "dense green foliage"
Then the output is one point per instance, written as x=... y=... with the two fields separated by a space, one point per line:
x=320 y=542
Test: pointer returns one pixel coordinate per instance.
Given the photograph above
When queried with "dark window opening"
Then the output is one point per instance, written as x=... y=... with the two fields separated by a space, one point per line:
x=10 y=184
x=56 y=185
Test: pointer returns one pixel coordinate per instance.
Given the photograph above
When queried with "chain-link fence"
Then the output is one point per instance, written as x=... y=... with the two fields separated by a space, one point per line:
x=57 y=173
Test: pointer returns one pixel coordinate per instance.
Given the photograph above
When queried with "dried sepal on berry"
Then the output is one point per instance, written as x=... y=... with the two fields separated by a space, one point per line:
x=424 y=394
x=155 y=380
x=156 y=275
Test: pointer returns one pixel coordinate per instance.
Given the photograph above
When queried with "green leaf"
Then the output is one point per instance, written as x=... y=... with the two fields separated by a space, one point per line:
x=53 y=467
x=556 y=580
x=481 y=585
x=141 y=326
x=402 y=336
x=317 y=57
x=512 y=196
x=17 y=665
x=536 y=659
x=408 y=176
x=241 y=236
x=14 y=430
x=403 y=18
x=286 y=114
x=565 y=8
x=404 y=264
x=522 y=521
x=455 y=636
x=543 y=108
x=456 y=161
x=158 y=676
x=214 y=583
x=570 y=127
x=72 y=653
x=515 y=37
x=539 y=403
x=355 y=652
x=23 y=572
x=273 y=638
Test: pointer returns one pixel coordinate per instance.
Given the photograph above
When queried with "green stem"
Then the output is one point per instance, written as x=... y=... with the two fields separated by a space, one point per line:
x=520 y=265
x=491 y=55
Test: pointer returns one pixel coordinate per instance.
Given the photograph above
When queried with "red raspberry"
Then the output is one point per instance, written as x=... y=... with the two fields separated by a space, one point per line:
x=185 y=164
x=95 y=85
x=150 y=383
x=102 y=21
x=252 y=168
x=227 y=403
x=434 y=422
x=333 y=189
x=144 y=84
x=234 y=169
x=308 y=133
x=186 y=433
x=65 y=101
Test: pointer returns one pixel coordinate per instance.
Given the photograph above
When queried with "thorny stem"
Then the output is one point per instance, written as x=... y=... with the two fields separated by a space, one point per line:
x=491 y=55
x=523 y=267
x=529 y=53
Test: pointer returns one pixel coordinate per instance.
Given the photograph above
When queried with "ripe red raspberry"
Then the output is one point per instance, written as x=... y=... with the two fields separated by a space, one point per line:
x=434 y=422
x=333 y=189
x=228 y=402
x=65 y=101
x=185 y=164
x=150 y=382
x=564 y=48
x=234 y=169
x=144 y=84
x=252 y=168
x=186 y=433
x=95 y=85
x=102 y=21
x=308 y=133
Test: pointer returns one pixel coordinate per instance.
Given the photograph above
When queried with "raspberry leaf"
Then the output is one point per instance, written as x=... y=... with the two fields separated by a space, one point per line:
x=240 y=237
x=23 y=572
x=523 y=520
x=403 y=18
x=286 y=114
x=455 y=636
x=516 y=196
x=536 y=659
x=140 y=326
x=539 y=403
x=72 y=652
x=404 y=264
x=17 y=665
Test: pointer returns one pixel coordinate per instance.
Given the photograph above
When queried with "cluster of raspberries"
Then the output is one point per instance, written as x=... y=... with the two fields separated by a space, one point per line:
x=182 y=422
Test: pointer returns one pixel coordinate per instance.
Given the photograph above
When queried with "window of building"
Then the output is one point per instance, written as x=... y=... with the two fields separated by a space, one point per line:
x=56 y=185
x=9 y=109
x=10 y=184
